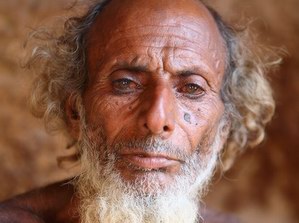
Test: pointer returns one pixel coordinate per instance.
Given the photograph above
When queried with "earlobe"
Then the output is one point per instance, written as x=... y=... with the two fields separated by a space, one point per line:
x=73 y=118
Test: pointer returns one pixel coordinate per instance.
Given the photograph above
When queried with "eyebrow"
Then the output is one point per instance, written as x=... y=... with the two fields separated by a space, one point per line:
x=195 y=70
x=198 y=71
x=131 y=67
x=134 y=67
x=187 y=73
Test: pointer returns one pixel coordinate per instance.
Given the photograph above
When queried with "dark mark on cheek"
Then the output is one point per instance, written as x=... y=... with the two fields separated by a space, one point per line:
x=187 y=118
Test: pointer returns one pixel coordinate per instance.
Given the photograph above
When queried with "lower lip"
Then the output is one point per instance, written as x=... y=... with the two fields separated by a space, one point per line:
x=149 y=162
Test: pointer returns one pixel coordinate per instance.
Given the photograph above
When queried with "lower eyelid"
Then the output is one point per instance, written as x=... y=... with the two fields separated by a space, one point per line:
x=194 y=97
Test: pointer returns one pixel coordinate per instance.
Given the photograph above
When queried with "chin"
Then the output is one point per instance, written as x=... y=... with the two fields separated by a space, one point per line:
x=147 y=181
x=149 y=198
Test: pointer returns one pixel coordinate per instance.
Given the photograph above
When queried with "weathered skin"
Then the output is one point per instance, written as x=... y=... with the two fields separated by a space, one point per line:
x=152 y=72
x=155 y=73
x=55 y=203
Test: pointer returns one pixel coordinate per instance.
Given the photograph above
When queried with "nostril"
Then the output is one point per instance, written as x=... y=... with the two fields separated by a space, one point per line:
x=166 y=128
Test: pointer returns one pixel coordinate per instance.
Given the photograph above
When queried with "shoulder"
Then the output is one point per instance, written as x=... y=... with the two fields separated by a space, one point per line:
x=211 y=216
x=11 y=214
x=47 y=204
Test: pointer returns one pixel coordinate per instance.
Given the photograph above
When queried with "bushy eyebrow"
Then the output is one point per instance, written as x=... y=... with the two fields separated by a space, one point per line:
x=194 y=71
x=145 y=69
x=186 y=73
x=131 y=67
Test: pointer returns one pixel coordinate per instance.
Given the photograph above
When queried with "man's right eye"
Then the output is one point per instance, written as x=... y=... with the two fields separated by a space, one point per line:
x=125 y=86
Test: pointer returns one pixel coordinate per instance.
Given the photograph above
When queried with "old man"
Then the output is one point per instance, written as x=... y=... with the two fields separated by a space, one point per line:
x=153 y=95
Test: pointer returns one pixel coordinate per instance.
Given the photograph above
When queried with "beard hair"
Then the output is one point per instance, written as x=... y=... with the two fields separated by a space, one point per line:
x=106 y=198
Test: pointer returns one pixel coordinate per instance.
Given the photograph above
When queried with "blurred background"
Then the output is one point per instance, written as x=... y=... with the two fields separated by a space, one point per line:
x=262 y=186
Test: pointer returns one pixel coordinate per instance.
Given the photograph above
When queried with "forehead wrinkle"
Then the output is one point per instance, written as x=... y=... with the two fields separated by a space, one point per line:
x=159 y=41
x=143 y=62
x=162 y=47
x=176 y=64
x=180 y=30
x=160 y=38
x=175 y=26
x=159 y=26
x=148 y=60
x=177 y=58
x=162 y=33
x=171 y=14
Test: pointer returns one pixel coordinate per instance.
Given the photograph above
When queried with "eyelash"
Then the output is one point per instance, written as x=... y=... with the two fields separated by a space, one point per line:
x=125 y=82
x=124 y=88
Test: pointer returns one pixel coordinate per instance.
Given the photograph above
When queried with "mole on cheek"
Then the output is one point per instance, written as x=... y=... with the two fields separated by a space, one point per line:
x=187 y=118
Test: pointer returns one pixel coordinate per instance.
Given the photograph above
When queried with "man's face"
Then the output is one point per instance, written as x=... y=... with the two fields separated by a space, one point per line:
x=154 y=86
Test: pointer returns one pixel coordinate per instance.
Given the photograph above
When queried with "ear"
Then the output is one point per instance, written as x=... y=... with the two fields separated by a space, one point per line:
x=73 y=119
x=224 y=131
x=229 y=152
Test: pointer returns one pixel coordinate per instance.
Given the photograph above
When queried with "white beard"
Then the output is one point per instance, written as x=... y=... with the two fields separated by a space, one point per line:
x=107 y=198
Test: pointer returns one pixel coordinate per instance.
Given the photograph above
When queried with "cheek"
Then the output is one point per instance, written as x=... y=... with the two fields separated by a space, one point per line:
x=200 y=121
x=110 y=113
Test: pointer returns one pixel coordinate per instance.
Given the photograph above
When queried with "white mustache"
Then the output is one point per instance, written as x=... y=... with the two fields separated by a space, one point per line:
x=151 y=144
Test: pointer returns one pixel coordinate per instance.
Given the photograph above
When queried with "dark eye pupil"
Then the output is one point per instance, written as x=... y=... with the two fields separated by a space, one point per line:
x=192 y=88
x=125 y=85
x=124 y=82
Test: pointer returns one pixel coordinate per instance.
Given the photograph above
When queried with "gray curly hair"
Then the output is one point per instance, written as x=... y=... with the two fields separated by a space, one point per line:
x=60 y=62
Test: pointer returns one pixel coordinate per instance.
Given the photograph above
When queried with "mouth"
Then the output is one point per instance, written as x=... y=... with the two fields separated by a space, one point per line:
x=148 y=160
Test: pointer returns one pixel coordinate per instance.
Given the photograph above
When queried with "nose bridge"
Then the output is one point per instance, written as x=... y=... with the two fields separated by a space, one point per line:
x=159 y=116
x=160 y=102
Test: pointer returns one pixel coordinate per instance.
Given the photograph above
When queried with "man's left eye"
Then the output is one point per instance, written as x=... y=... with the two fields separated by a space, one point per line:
x=192 y=89
x=125 y=85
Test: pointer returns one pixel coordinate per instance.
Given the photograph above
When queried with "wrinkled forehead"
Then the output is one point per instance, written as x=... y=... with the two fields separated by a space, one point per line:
x=185 y=17
x=137 y=26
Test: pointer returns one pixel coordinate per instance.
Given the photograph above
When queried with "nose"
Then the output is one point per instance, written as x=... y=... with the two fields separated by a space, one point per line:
x=157 y=117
